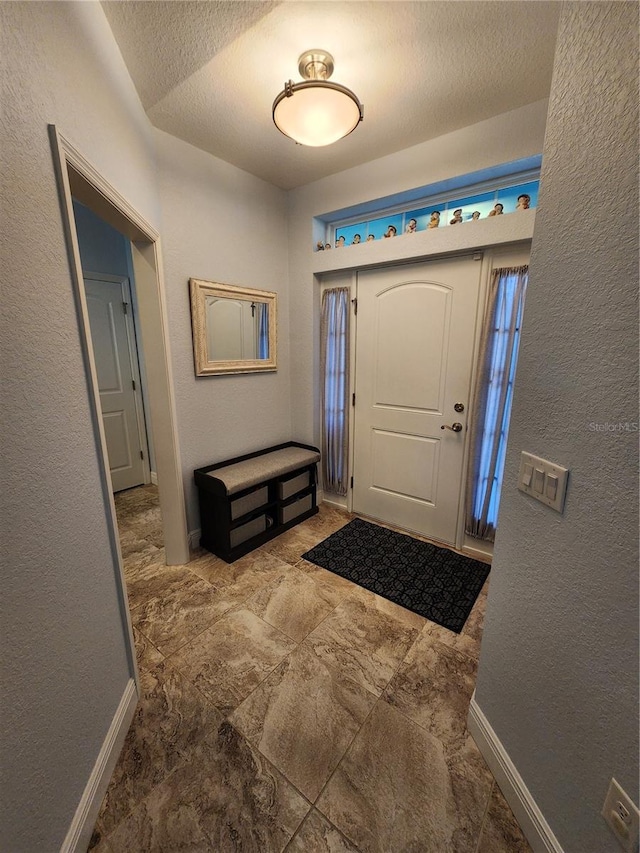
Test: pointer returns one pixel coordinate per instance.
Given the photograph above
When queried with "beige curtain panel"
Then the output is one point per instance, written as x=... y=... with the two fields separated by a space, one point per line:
x=493 y=396
x=334 y=372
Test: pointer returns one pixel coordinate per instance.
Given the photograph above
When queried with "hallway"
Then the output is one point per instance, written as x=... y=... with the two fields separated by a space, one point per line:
x=285 y=708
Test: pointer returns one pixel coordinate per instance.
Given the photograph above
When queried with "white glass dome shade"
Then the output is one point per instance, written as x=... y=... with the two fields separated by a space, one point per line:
x=316 y=112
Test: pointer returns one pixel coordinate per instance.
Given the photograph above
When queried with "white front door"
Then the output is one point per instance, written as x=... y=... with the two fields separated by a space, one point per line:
x=414 y=351
x=107 y=302
x=231 y=329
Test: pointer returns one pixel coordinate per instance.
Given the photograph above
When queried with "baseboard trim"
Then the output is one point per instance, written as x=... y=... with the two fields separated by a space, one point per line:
x=154 y=477
x=477 y=554
x=81 y=829
x=194 y=538
x=531 y=820
x=333 y=502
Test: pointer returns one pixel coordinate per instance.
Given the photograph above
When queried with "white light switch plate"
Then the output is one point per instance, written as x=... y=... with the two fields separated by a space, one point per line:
x=543 y=480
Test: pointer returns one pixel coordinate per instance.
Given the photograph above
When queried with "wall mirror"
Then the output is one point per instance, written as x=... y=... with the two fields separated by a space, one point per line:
x=234 y=328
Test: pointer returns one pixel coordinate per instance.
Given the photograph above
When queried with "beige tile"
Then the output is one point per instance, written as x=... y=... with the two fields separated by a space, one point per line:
x=292 y=544
x=394 y=791
x=433 y=687
x=471 y=783
x=339 y=587
x=141 y=520
x=293 y=603
x=328 y=509
x=138 y=498
x=155 y=537
x=231 y=658
x=302 y=718
x=500 y=831
x=146 y=653
x=153 y=579
x=377 y=602
x=228 y=800
x=258 y=563
x=98 y=842
x=128 y=518
x=163 y=821
x=178 y=617
x=129 y=532
x=136 y=548
x=172 y=723
x=140 y=553
x=362 y=643
x=468 y=640
x=317 y=835
x=207 y=566
x=327 y=521
x=241 y=579
x=198 y=551
x=186 y=780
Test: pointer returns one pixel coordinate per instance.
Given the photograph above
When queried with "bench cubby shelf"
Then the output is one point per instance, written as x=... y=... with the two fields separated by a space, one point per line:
x=248 y=500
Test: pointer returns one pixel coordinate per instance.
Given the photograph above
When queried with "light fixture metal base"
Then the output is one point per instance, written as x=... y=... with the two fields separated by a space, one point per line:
x=315 y=64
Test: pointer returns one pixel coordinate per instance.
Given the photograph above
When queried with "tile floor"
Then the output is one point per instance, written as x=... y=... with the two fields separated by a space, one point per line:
x=283 y=708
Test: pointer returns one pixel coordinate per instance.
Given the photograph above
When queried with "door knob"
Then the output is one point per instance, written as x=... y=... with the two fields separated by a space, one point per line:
x=458 y=407
x=456 y=427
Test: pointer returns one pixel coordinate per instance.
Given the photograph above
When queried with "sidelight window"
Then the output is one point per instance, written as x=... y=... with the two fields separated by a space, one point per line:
x=334 y=367
x=493 y=398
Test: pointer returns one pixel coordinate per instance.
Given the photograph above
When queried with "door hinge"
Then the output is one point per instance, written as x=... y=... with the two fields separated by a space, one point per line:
x=125 y=307
x=141 y=455
x=133 y=384
x=352 y=482
x=354 y=302
x=353 y=399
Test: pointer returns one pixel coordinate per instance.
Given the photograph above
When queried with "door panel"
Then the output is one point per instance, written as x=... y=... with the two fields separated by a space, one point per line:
x=414 y=350
x=121 y=452
x=404 y=465
x=403 y=346
x=105 y=343
x=112 y=357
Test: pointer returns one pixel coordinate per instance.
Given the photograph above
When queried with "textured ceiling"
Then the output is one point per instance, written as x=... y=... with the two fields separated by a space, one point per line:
x=207 y=72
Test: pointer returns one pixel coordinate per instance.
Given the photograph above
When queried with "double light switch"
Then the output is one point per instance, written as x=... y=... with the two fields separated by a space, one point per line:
x=543 y=480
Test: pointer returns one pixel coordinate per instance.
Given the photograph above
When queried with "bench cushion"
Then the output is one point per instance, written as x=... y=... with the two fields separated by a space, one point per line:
x=251 y=472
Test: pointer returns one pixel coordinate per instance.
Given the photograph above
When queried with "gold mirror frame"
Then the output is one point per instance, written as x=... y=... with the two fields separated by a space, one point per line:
x=199 y=291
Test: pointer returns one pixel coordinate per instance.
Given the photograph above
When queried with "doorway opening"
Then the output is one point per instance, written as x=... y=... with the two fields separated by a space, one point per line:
x=78 y=179
x=117 y=349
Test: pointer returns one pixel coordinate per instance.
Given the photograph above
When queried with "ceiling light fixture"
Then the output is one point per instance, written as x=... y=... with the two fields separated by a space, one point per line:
x=316 y=112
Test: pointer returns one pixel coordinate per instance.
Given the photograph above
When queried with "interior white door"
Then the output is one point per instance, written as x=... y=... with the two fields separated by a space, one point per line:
x=414 y=350
x=106 y=301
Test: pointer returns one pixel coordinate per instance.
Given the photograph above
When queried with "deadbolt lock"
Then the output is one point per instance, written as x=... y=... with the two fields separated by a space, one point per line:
x=459 y=407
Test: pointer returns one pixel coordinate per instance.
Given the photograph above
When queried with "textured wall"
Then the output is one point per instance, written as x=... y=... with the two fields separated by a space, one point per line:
x=64 y=666
x=559 y=661
x=221 y=224
x=506 y=137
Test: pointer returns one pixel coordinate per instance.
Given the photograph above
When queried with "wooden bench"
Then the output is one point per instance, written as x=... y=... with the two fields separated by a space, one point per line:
x=246 y=501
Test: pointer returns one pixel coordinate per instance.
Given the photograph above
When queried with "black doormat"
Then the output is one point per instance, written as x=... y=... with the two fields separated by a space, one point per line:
x=434 y=582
